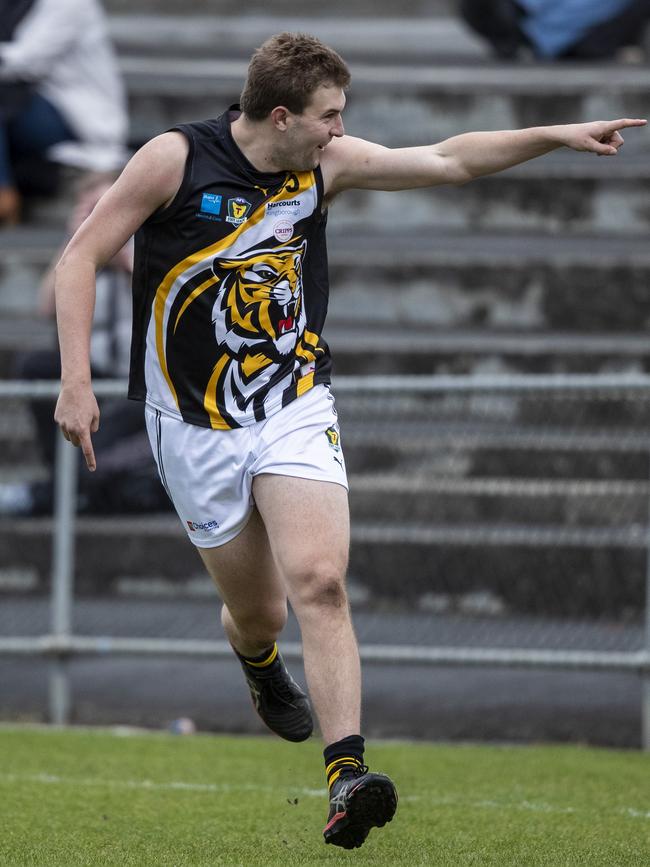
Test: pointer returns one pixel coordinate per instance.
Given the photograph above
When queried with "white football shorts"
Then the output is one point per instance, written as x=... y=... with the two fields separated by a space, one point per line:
x=209 y=474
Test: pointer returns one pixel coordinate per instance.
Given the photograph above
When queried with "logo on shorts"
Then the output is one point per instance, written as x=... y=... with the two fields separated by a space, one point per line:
x=333 y=438
x=208 y=525
x=238 y=211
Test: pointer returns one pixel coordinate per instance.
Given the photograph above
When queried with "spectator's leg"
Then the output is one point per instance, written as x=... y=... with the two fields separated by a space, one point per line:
x=498 y=22
x=31 y=132
x=605 y=39
x=37 y=127
x=9 y=196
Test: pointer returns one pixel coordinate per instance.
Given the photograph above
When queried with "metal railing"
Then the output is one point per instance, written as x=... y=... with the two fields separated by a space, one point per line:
x=61 y=644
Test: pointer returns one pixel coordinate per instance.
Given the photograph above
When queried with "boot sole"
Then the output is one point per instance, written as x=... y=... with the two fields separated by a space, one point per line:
x=372 y=805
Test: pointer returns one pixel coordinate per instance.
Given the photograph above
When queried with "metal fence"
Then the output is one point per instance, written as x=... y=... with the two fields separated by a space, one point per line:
x=416 y=419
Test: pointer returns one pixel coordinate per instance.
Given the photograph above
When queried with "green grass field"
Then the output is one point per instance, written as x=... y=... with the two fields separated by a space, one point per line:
x=86 y=797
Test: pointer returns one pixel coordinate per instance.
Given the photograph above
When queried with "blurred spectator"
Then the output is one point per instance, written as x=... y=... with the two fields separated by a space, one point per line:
x=61 y=96
x=559 y=29
x=127 y=479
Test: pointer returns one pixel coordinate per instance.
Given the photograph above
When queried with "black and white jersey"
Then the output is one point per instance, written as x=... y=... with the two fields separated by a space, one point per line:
x=230 y=288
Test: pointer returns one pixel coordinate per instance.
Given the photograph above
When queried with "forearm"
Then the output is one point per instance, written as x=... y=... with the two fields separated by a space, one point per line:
x=474 y=154
x=74 y=287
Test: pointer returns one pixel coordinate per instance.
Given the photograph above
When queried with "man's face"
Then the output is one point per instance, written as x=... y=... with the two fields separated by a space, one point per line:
x=307 y=134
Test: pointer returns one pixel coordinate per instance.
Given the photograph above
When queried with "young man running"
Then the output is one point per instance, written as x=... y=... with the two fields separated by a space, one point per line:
x=230 y=295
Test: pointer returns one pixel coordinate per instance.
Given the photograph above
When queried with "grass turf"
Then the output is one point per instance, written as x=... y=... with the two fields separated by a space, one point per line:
x=91 y=797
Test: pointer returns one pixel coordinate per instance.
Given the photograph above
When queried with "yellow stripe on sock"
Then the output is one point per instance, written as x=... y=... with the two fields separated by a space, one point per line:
x=334 y=778
x=269 y=659
x=345 y=760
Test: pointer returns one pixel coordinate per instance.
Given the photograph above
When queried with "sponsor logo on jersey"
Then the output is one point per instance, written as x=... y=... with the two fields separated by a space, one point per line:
x=210 y=206
x=283 y=231
x=207 y=525
x=291 y=206
x=238 y=209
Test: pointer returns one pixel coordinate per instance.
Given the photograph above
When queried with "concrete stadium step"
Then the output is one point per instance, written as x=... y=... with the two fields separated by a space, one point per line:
x=24 y=332
x=385 y=349
x=587 y=570
x=408 y=38
x=400 y=104
x=437 y=278
x=25 y=253
x=612 y=201
x=477 y=455
x=461 y=501
x=457 y=280
x=535 y=572
x=480 y=455
x=600 y=196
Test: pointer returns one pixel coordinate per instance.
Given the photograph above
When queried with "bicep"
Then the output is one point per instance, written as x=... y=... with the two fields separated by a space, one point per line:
x=358 y=164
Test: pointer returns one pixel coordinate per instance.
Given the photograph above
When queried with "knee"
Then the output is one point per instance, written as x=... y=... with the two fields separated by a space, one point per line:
x=319 y=586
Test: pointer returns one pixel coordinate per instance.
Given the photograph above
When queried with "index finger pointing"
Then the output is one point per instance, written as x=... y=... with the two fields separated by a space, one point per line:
x=625 y=122
x=88 y=452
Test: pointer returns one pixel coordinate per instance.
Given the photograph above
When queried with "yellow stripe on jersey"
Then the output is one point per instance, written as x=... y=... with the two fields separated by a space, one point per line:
x=217 y=421
x=308 y=346
x=252 y=363
x=193 y=296
x=305 y=181
x=304 y=384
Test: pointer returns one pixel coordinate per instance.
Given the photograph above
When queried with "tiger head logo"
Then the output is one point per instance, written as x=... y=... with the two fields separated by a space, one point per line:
x=259 y=306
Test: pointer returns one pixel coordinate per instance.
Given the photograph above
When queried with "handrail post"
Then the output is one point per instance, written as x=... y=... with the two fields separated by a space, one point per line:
x=63 y=545
x=645 y=682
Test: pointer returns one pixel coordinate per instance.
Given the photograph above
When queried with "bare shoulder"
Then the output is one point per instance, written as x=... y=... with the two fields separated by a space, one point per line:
x=156 y=170
x=150 y=181
x=342 y=160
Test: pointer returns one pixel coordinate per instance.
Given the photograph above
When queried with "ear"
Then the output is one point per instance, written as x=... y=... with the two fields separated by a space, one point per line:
x=280 y=117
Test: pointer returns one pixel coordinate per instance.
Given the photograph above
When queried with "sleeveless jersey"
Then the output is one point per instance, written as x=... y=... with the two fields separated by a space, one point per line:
x=230 y=288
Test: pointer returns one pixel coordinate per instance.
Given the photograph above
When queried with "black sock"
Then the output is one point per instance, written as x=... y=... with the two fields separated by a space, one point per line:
x=263 y=660
x=343 y=757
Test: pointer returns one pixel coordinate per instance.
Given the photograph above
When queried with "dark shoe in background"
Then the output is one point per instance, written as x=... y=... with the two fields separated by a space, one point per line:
x=497 y=21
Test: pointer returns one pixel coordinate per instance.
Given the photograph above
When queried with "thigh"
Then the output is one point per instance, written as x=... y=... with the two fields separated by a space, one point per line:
x=308 y=525
x=245 y=572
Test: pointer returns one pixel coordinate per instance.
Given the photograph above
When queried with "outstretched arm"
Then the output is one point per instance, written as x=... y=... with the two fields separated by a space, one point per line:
x=352 y=163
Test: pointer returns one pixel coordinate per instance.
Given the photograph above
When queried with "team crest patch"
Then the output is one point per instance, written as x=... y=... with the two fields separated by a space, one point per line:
x=238 y=209
x=333 y=438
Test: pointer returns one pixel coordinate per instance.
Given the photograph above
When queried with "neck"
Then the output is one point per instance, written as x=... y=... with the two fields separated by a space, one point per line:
x=253 y=141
